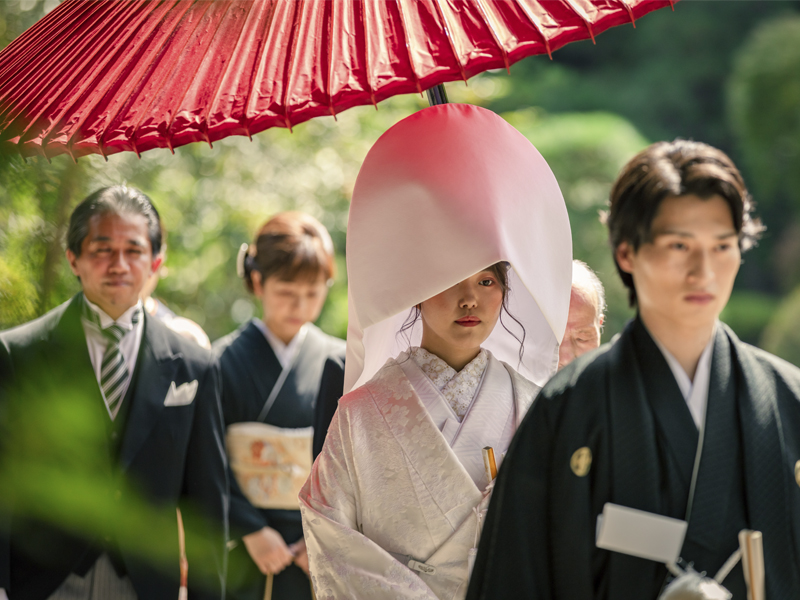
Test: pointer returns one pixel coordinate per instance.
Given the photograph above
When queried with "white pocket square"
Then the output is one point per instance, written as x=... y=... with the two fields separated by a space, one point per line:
x=181 y=395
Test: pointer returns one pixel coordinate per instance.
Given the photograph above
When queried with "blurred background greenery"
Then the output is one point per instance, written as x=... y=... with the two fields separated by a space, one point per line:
x=727 y=73
x=723 y=72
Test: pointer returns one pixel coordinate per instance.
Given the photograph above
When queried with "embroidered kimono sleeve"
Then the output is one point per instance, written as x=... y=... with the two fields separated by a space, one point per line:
x=344 y=563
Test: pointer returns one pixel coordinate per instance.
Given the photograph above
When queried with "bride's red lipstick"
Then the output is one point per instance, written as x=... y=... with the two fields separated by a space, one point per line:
x=468 y=321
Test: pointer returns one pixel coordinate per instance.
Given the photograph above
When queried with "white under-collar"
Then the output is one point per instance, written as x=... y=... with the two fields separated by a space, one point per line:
x=285 y=353
x=125 y=320
x=695 y=393
x=457 y=387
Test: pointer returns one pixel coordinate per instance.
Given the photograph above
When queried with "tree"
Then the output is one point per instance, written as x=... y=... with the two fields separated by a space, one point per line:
x=763 y=101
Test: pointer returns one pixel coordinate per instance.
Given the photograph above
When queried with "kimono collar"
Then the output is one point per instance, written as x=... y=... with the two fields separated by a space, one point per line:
x=457 y=387
x=285 y=353
x=695 y=392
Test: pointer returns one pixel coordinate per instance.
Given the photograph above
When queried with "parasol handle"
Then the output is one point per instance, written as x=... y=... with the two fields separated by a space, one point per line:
x=752 y=547
x=437 y=95
x=183 y=591
x=268 y=589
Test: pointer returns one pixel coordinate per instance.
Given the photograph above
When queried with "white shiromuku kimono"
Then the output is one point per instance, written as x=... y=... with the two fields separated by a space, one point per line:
x=395 y=501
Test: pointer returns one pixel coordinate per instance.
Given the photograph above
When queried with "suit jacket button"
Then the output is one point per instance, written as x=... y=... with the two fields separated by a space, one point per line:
x=118 y=495
x=114 y=435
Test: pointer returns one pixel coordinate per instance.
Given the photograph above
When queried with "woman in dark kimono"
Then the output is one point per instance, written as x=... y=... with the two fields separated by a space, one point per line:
x=282 y=377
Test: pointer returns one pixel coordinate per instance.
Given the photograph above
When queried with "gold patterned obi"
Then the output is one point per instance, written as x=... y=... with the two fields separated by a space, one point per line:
x=270 y=463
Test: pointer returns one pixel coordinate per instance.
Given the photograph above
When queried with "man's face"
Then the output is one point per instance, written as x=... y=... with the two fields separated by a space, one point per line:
x=115 y=261
x=685 y=275
x=583 y=328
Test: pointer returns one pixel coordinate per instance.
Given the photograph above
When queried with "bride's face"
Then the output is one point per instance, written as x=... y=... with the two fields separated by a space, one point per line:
x=461 y=318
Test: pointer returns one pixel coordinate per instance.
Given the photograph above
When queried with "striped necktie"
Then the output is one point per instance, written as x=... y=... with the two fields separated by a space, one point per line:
x=114 y=373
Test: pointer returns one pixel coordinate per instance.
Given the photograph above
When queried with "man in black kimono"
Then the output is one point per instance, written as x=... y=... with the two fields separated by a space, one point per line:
x=108 y=422
x=624 y=424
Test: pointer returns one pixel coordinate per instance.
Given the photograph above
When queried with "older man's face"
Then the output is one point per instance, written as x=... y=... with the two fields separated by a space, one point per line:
x=583 y=329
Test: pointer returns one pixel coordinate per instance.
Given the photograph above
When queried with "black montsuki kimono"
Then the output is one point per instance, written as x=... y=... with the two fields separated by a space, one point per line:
x=623 y=404
x=309 y=397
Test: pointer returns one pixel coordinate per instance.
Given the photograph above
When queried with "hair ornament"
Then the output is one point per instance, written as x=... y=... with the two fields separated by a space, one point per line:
x=241 y=259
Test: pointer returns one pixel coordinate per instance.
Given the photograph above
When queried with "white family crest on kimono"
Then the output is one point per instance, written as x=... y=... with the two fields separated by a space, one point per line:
x=389 y=489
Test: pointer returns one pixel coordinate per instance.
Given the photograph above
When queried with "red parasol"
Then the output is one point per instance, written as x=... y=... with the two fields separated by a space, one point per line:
x=104 y=77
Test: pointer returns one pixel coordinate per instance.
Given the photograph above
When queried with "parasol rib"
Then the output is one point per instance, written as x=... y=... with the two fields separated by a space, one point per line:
x=365 y=8
x=495 y=36
x=288 y=67
x=450 y=38
x=269 y=7
x=168 y=73
x=583 y=16
x=329 y=34
x=207 y=55
x=407 y=44
x=147 y=57
x=535 y=23
x=118 y=72
x=221 y=76
x=627 y=7
x=30 y=104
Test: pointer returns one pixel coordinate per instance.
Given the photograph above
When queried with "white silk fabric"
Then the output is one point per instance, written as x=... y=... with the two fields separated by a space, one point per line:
x=388 y=488
x=443 y=194
x=490 y=420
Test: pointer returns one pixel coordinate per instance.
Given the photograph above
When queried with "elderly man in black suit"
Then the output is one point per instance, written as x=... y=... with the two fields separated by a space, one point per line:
x=109 y=421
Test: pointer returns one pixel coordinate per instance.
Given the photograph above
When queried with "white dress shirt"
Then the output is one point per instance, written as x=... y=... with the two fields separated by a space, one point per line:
x=695 y=393
x=285 y=353
x=128 y=345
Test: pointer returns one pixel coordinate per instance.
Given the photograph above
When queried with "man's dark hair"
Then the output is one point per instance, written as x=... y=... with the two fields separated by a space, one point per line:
x=667 y=170
x=117 y=199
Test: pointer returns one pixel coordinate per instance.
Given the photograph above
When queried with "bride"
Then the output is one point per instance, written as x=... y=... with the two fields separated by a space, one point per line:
x=459 y=267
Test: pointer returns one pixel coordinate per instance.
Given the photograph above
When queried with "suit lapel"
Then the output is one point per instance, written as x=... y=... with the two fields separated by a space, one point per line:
x=155 y=367
x=69 y=346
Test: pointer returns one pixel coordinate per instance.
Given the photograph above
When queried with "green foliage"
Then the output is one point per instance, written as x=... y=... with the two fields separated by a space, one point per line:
x=586 y=151
x=782 y=334
x=67 y=480
x=764 y=108
x=35 y=202
x=667 y=76
x=748 y=313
